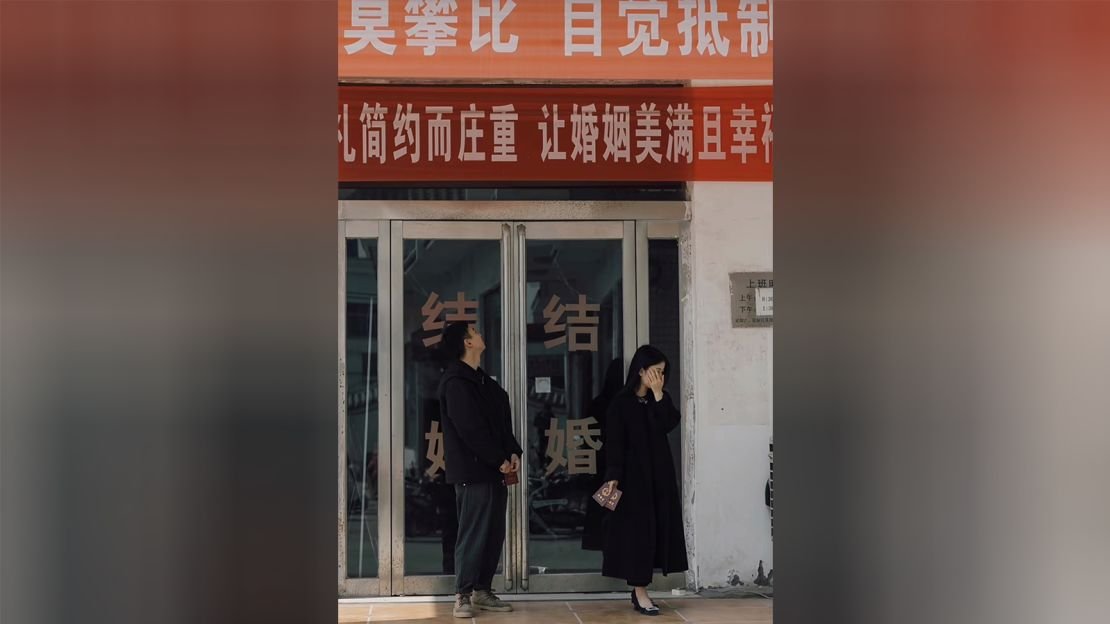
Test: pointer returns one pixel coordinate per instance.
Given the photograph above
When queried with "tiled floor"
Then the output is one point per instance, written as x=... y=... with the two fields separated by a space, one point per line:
x=695 y=610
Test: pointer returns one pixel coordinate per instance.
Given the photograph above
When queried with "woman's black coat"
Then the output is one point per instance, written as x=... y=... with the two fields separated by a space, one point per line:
x=645 y=531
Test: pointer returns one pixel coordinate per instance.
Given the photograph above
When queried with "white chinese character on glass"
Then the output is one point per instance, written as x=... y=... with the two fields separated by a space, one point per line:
x=575 y=447
x=554 y=324
x=743 y=132
x=433 y=324
x=470 y=134
x=497 y=12
x=648 y=132
x=643 y=26
x=345 y=136
x=370 y=25
x=439 y=132
x=583 y=320
x=711 y=143
x=703 y=15
x=680 y=141
x=435 y=450
x=551 y=134
x=582 y=27
x=433 y=24
x=504 y=133
x=617 y=124
x=583 y=133
x=556 y=445
x=768 y=136
x=406 y=140
x=583 y=324
x=459 y=309
x=373 y=132
x=581 y=434
x=755 y=27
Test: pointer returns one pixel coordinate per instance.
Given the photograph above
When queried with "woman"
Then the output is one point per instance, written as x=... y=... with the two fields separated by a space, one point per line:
x=645 y=532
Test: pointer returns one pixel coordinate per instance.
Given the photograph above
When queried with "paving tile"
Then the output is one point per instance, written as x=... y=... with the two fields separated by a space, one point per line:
x=688 y=599
x=415 y=612
x=523 y=612
x=617 y=611
x=723 y=611
x=687 y=610
x=723 y=618
x=533 y=613
x=405 y=619
x=353 y=613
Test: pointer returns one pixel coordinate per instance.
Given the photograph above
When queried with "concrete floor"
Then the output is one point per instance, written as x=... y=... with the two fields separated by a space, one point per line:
x=694 y=610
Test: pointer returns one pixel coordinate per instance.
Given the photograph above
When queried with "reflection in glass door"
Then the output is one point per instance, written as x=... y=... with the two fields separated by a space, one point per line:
x=362 y=409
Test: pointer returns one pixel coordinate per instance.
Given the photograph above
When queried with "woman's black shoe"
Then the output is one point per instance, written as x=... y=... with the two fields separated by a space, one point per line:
x=652 y=610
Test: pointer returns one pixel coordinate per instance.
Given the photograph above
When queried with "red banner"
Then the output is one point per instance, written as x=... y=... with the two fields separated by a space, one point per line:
x=557 y=39
x=502 y=134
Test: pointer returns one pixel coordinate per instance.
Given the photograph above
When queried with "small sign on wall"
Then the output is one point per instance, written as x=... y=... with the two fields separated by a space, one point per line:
x=753 y=299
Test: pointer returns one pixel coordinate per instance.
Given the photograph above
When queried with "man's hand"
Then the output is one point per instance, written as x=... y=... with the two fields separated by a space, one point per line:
x=515 y=463
x=506 y=467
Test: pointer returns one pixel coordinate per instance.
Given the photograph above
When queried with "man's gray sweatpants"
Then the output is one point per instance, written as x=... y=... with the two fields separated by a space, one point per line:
x=481 y=511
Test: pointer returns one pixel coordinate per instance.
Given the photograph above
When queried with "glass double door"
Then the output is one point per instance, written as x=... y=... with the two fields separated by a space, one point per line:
x=556 y=305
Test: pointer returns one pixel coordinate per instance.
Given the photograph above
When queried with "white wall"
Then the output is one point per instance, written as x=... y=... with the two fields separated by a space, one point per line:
x=728 y=388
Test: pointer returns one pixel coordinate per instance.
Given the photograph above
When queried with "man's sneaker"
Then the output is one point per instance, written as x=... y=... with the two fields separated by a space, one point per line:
x=463 y=609
x=488 y=601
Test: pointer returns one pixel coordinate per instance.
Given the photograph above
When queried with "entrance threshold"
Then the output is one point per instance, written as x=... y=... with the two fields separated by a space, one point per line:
x=507 y=597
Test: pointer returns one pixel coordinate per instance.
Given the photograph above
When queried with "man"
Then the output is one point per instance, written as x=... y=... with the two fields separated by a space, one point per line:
x=480 y=450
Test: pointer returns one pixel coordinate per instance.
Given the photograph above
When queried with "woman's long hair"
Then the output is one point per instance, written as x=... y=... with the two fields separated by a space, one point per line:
x=645 y=357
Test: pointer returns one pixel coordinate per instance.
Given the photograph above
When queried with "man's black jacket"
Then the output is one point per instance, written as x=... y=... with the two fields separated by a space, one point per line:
x=477 y=425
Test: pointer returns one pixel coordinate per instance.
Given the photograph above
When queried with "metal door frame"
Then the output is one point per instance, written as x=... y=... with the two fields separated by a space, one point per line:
x=381 y=585
x=434 y=584
x=633 y=272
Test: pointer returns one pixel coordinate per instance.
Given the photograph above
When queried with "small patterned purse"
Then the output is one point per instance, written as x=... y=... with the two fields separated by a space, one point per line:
x=608 y=496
